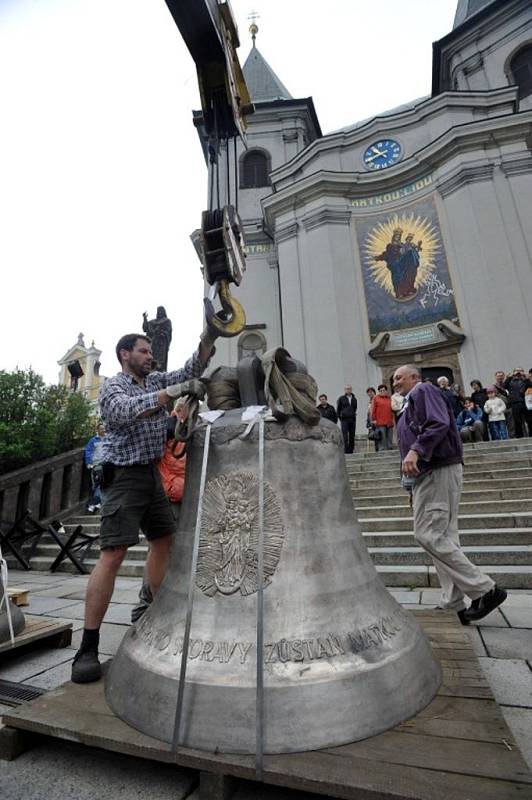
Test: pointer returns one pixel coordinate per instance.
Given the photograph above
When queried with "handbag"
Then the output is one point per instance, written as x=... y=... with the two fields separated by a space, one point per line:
x=374 y=435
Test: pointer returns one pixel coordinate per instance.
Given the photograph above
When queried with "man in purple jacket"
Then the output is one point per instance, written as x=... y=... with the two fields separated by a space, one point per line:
x=431 y=456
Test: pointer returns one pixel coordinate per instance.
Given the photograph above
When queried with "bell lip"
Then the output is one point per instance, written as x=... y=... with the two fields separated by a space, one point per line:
x=424 y=686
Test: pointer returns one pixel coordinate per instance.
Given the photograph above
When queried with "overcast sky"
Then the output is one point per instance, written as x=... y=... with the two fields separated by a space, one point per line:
x=102 y=178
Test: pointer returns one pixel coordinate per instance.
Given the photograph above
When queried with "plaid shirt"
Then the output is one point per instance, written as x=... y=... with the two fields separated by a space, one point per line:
x=128 y=439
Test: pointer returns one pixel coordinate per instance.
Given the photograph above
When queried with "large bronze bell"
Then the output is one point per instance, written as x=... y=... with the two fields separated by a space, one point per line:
x=342 y=660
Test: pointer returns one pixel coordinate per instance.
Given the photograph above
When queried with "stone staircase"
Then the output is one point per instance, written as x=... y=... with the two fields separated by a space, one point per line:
x=495 y=517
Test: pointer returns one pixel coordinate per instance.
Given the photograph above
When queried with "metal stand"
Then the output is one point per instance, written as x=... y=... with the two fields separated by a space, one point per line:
x=190 y=600
x=259 y=748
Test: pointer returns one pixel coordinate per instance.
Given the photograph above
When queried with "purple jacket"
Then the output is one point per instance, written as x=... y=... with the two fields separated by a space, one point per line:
x=427 y=426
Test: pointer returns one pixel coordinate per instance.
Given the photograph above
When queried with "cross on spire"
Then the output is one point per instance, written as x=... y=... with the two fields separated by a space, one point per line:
x=253 y=28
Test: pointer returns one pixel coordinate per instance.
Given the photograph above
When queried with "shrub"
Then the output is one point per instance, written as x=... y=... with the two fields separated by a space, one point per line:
x=39 y=421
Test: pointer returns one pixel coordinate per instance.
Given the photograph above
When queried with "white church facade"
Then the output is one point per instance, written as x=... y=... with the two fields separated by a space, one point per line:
x=406 y=237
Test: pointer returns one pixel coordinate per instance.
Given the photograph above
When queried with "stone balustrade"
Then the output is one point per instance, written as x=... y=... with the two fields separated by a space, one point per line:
x=48 y=488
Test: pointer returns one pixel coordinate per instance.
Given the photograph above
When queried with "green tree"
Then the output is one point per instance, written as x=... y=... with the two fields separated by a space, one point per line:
x=39 y=421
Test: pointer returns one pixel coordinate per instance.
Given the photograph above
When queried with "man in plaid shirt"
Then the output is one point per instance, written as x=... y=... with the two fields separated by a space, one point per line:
x=133 y=407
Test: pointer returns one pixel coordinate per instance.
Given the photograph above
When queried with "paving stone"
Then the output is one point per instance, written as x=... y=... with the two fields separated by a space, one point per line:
x=128 y=583
x=518 y=600
x=68 y=771
x=430 y=597
x=75 y=611
x=119 y=613
x=55 y=676
x=508 y=642
x=518 y=617
x=43 y=605
x=406 y=597
x=476 y=641
x=50 y=591
x=31 y=576
x=519 y=720
x=510 y=680
x=110 y=638
x=22 y=669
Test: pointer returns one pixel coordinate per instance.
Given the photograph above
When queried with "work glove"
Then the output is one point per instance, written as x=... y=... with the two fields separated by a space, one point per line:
x=208 y=335
x=193 y=388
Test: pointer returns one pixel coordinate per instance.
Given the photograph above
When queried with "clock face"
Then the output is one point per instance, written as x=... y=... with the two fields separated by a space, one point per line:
x=382 y=154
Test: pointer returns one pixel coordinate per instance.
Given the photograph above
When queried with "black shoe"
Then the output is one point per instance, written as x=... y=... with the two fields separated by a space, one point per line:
x=484 y=605
x=462 y=616
x=86 y=668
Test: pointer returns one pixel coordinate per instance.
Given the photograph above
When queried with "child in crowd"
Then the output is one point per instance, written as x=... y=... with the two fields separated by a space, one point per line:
x=495 y=407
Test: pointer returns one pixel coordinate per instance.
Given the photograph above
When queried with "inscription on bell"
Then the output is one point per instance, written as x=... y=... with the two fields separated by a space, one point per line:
x=330 y=645
x=228 y=547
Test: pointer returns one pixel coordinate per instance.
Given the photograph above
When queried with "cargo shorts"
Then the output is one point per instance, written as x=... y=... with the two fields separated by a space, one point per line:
x=135 y=500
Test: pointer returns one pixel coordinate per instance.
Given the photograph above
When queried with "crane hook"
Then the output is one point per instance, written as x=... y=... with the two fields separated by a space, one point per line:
x=231 y=320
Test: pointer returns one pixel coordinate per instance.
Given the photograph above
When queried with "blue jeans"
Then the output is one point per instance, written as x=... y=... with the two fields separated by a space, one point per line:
x=498 y=430
x=386 y=438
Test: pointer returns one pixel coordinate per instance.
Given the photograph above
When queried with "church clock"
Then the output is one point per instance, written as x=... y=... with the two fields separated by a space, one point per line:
x=382 y=154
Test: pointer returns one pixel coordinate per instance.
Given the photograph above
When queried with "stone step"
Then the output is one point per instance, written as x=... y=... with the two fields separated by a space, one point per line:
x=384 y=479
x=410 y=576
x=496 y=451
x=475 y=538
x=88 y=521
x=501 y=537
x=48 y=550
x=413 y=577
x=476 y=521
x=387 y=487
x=385 y=497
x=510 y=555
x=392 y=467
x=128 y=569
x=478 y=449
x=476 y=507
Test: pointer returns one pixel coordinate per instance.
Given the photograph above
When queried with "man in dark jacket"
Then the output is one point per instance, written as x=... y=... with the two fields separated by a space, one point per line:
x=452 y=397
x=346 y=408
x=326 y=409
x=516 y=385
x=431 y=463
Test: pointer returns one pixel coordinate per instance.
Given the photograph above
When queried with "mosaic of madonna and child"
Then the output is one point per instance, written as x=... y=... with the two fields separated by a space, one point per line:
x=405 y=271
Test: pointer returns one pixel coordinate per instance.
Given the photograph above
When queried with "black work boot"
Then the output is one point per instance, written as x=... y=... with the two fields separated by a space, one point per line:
x=484 y=605
x=86 y=667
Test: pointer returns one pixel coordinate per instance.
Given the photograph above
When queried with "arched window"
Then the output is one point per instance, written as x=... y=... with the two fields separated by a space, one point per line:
x=254 y=169
x=521 y=69
x=251 y=343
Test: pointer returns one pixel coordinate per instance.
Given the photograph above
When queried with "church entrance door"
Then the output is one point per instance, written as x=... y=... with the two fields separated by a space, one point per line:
x=433 y=373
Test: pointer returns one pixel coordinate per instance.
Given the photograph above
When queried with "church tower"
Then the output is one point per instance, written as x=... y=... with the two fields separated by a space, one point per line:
x=280 y=128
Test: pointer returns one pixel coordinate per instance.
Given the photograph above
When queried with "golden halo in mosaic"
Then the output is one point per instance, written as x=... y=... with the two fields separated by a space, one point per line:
x=402 y=229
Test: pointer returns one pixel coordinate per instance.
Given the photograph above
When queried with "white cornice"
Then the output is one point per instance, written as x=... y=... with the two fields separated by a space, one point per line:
x=327 y=216
x=504 y=97
x=463 y=175
x=481 y=135
x=517 y=166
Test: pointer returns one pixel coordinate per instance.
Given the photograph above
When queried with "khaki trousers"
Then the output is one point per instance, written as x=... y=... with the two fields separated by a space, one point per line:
x=435 y=500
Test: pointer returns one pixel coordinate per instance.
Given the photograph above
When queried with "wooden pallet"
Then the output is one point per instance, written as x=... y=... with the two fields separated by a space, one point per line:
x=18 y=596
x=56 y=632
x=458 y=747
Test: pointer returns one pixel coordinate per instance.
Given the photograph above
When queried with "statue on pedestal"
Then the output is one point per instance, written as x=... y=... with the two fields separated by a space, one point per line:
x=160 y=332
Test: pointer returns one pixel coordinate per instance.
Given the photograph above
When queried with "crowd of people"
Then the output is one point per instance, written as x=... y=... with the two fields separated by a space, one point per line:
x=500 y=410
